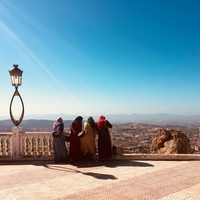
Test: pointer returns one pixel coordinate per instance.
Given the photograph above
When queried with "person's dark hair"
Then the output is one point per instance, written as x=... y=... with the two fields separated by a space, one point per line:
x=77 y=119
x=91 y=122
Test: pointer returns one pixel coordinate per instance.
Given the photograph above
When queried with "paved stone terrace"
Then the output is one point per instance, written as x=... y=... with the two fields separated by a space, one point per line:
x=116 y=179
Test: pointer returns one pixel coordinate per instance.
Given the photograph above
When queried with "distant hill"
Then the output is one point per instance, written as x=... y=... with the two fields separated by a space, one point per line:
x=44 y=116
x=162 y=118
x=34 y=123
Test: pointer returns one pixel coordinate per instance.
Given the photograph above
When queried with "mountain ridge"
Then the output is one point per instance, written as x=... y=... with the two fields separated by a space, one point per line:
x=120 y=118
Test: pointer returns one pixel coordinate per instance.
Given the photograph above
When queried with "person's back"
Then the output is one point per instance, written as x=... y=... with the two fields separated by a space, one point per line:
x=88 y=140
x=74 y=149
x=104 y=139
x=60 y=150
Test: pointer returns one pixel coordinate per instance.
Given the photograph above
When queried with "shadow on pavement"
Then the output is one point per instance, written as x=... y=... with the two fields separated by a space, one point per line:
x=113 y=163
x=77 y=166
x=82 y=164
x=72 y=169
x=100 y=176
x=84 y=167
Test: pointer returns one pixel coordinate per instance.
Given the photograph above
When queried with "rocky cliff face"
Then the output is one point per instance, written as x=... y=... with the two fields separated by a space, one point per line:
x=170 y=142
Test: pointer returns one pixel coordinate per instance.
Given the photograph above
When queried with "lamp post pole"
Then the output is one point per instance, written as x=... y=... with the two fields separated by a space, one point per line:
x=16 y=79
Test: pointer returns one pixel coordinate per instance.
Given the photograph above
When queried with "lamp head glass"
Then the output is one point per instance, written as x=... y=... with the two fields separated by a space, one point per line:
x=16 y=76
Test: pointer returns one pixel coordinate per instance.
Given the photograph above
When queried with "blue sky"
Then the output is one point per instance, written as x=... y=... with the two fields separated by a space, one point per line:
x=101 y=57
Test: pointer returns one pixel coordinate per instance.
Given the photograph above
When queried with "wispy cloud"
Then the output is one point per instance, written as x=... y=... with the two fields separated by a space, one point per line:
x=9 y=34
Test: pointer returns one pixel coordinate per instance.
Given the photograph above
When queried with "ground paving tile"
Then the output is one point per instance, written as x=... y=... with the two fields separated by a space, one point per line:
x=116 y=179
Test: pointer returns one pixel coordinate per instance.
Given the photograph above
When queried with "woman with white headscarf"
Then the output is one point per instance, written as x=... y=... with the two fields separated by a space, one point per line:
x=60 y=150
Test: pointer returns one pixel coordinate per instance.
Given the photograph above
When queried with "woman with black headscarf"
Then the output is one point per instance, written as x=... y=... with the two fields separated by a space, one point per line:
x=88 y=140
x=75 y=153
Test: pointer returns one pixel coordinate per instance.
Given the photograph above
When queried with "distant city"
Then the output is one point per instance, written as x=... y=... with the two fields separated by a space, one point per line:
x=137 y=137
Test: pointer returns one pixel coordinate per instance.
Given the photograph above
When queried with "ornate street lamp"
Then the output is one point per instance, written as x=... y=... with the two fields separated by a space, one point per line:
x=16 y=79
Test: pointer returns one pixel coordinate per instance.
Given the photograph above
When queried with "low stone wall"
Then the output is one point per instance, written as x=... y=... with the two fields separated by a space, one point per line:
x=26 y=146
x=176 y=157
x=38 y=146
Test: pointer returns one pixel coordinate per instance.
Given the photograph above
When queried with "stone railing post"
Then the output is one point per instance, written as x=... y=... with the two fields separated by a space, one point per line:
x=15 y=142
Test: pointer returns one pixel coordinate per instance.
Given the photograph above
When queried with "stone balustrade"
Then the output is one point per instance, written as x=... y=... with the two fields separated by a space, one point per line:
x=5 y=144
x=39 y=146
x=36 y=144
x=25 y=146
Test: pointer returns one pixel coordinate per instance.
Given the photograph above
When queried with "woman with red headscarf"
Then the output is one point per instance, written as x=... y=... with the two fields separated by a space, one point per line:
x=104 y=140
x=75 y=153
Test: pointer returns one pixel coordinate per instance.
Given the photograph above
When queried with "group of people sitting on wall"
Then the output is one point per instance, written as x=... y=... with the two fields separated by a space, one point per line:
x=83 y=148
